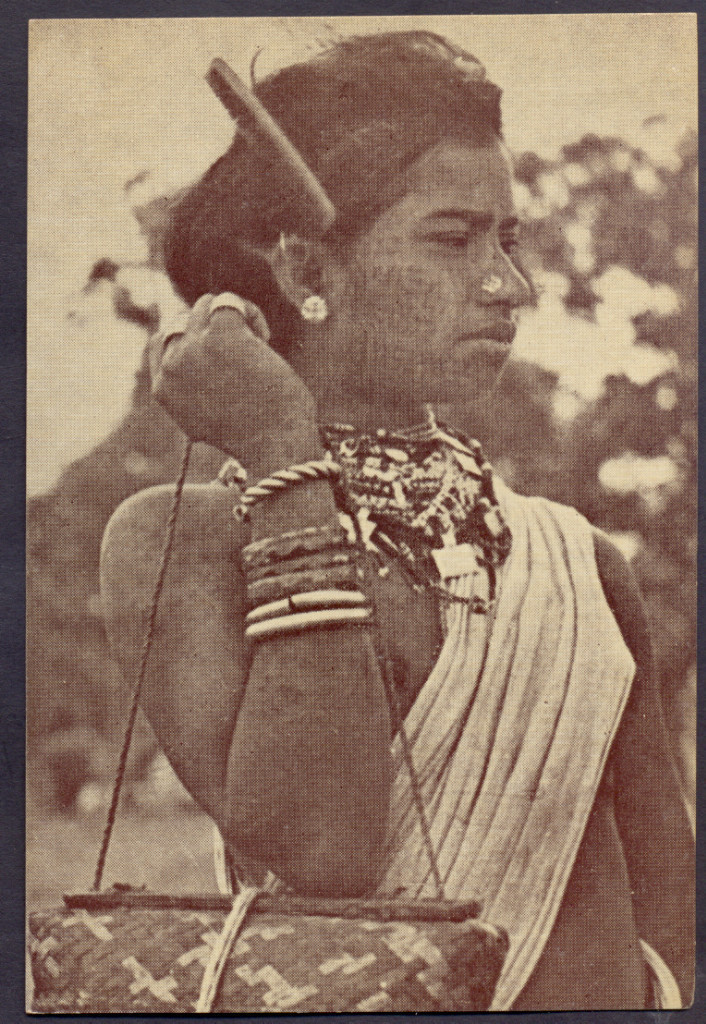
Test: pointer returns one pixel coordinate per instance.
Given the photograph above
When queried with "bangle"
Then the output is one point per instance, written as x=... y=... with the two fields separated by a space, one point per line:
x=299 y=562
x=227 y=300
x=295 y=544
x=317 y=560
x=275 y=588
x=283 y=479
x=307 y=620
x=311 y=601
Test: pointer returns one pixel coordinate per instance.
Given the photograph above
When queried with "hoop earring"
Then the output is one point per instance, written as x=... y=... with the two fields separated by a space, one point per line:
x=314 y=309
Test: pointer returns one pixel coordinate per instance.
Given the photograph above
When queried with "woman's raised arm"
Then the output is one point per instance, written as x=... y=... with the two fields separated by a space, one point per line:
x=198 y=662
x=286 y=741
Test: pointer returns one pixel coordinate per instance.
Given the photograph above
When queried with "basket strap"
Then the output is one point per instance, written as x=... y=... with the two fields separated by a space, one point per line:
x=232 y=926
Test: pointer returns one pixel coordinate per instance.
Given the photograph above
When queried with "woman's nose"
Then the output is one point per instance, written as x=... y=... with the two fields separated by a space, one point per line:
x=504 y=282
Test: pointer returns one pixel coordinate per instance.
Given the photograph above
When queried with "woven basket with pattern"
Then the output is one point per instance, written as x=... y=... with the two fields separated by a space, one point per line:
x=133 y=960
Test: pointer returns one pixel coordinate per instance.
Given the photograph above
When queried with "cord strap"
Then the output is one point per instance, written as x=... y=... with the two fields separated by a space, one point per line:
x=144 y=657
x=232 y=926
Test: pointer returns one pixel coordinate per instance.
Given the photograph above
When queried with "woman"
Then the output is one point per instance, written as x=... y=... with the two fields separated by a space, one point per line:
x=507 y=653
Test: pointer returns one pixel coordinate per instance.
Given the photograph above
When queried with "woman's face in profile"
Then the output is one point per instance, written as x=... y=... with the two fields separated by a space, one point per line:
x=423 y=309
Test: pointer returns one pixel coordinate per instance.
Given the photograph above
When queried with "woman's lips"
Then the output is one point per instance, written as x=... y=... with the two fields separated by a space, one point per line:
x=482 y=346
x=489 y=348
x=499 y=333
x=494 y=343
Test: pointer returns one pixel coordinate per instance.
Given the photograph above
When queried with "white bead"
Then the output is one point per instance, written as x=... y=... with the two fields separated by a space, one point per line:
x=459 y=560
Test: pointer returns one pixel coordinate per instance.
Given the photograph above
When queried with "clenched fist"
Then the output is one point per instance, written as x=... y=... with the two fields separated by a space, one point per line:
x=223 y=384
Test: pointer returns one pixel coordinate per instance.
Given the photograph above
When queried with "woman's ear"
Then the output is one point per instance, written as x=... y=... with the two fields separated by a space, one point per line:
x=296 y=264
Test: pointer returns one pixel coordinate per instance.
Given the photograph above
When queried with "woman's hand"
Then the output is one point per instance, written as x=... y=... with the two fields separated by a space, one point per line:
x=223 y=384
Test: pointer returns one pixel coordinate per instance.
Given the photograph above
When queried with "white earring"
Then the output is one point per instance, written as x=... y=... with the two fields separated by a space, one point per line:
x=492 y=284
x=314 y=309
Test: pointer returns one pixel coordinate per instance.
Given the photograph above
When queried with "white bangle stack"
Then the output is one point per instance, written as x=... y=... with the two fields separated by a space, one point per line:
x=307 y=611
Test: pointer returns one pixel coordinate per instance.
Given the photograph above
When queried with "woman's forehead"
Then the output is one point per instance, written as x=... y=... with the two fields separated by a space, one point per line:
x=460 y=173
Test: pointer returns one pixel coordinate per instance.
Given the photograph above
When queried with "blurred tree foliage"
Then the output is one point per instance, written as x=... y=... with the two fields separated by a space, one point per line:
x=640 y=216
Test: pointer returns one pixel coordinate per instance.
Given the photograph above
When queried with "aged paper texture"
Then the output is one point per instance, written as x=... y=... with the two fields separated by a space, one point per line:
x=362 y=446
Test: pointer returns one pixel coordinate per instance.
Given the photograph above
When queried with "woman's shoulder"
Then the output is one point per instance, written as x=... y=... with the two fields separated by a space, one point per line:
x=205 y=530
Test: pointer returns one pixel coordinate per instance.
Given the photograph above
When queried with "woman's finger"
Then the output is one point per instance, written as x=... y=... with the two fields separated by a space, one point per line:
x=256 y=321
x=200 y=313
x=157 y=345
x=174 y=326
x=155 y=351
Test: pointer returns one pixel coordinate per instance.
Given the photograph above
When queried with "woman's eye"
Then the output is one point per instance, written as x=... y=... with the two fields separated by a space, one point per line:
x=455 y=239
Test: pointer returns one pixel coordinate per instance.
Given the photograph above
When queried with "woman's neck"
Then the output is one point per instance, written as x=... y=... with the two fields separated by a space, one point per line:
x=342 y=397
x=370 y=416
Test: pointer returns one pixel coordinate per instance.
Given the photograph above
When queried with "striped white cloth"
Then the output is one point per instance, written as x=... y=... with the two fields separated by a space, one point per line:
x=510 y=735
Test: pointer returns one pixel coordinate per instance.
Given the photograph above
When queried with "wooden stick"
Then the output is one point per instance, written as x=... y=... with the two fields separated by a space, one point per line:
x=380 y=909
x=242 y=104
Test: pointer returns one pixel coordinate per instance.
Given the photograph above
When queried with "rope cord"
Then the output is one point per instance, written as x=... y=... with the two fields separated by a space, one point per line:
x=414 y=779
x=144 y=657
x=232 y=926
x=394 y=705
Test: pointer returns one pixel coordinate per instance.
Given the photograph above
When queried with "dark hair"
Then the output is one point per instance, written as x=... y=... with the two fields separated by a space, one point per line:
x=359 y=113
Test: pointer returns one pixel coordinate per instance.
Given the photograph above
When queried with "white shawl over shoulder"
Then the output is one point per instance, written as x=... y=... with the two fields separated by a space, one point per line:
x=510 y=735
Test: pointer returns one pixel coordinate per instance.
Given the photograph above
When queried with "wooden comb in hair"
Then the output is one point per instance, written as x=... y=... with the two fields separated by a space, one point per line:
x=316 y=212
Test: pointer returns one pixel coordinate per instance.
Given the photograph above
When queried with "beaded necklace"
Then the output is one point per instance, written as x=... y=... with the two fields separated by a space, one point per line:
x=423 y=496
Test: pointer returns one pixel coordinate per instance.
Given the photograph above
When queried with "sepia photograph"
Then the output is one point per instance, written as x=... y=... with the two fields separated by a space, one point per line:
x=362 y=385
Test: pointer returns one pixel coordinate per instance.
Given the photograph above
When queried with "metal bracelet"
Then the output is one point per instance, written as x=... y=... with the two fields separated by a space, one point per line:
x=283 y=479
x=317 y=560
x=227 y=300
x=294 y=544
x=341 y=577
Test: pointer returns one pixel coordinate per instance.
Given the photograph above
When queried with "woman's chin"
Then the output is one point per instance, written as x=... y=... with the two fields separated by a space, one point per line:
x=461 y=383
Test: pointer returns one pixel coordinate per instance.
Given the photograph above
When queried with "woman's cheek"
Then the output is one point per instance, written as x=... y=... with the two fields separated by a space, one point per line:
x=414 y=303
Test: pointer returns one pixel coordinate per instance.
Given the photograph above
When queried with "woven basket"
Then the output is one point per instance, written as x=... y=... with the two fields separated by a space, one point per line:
x=139 y=960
